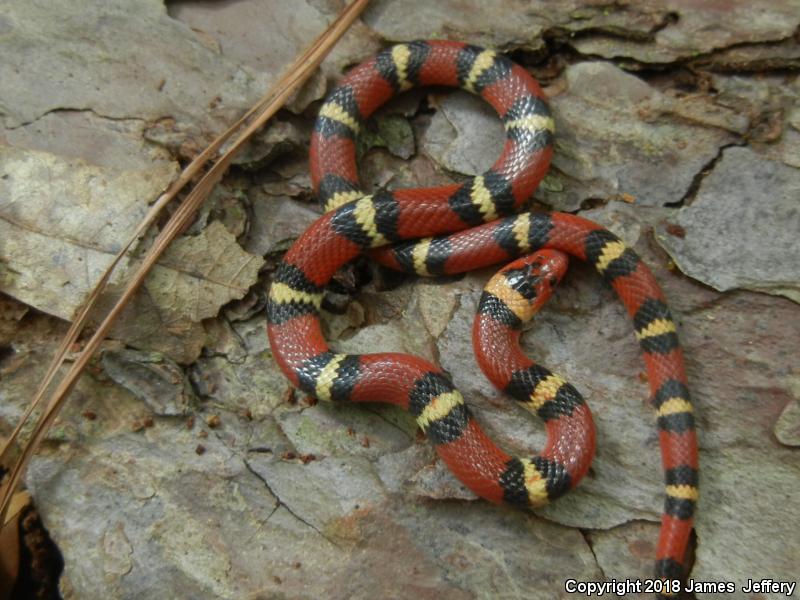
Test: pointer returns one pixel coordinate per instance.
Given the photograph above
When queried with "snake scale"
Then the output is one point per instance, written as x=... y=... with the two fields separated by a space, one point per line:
x=460 y=227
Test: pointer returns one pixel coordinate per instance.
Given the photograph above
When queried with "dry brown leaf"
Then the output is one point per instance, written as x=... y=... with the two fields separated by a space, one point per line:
x=9 y=543
x=62 y=221
x=195 y=277
x=59 y=232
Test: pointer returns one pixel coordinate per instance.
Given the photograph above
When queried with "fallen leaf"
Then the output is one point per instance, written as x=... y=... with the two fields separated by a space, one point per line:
x=60 y=224
x=9 y=544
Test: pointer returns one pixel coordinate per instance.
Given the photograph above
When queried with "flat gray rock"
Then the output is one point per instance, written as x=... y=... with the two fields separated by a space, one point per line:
x=465 y=135
x=247 y=34
x=497 y=24
x=614 y=142
x=695 y=30
x=169 y=68
x=120 y=60
x=512 y=24
x=109 y=143
x=741 y=229
x=742 y=34
x=277 y=220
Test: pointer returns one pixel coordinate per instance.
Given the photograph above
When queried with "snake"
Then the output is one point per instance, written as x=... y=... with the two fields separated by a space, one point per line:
x=460 y=227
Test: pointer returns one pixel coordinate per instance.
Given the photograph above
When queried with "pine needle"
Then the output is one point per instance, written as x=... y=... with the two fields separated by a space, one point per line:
x=295 y=75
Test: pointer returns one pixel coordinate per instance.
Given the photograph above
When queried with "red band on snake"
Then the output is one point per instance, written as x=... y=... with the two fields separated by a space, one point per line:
x=476 y=226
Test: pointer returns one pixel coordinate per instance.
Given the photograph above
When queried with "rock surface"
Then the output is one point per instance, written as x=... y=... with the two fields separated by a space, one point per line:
x=766 y=255
x=185 y=466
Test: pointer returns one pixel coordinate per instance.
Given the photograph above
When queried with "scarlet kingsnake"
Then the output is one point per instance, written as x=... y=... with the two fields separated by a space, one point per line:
x=475 y=214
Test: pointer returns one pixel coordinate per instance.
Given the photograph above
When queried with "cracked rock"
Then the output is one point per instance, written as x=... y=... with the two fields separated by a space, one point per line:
x=697 y=29
x=122 y=60
x=166 y=66
x=109 y=143
x=741 y=229
x=611 y=145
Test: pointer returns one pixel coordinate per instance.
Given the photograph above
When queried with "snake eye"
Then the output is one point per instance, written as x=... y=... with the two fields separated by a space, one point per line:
x=524 y=280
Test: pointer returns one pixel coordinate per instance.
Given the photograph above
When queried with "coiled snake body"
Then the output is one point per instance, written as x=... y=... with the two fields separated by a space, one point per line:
x=477 y=226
